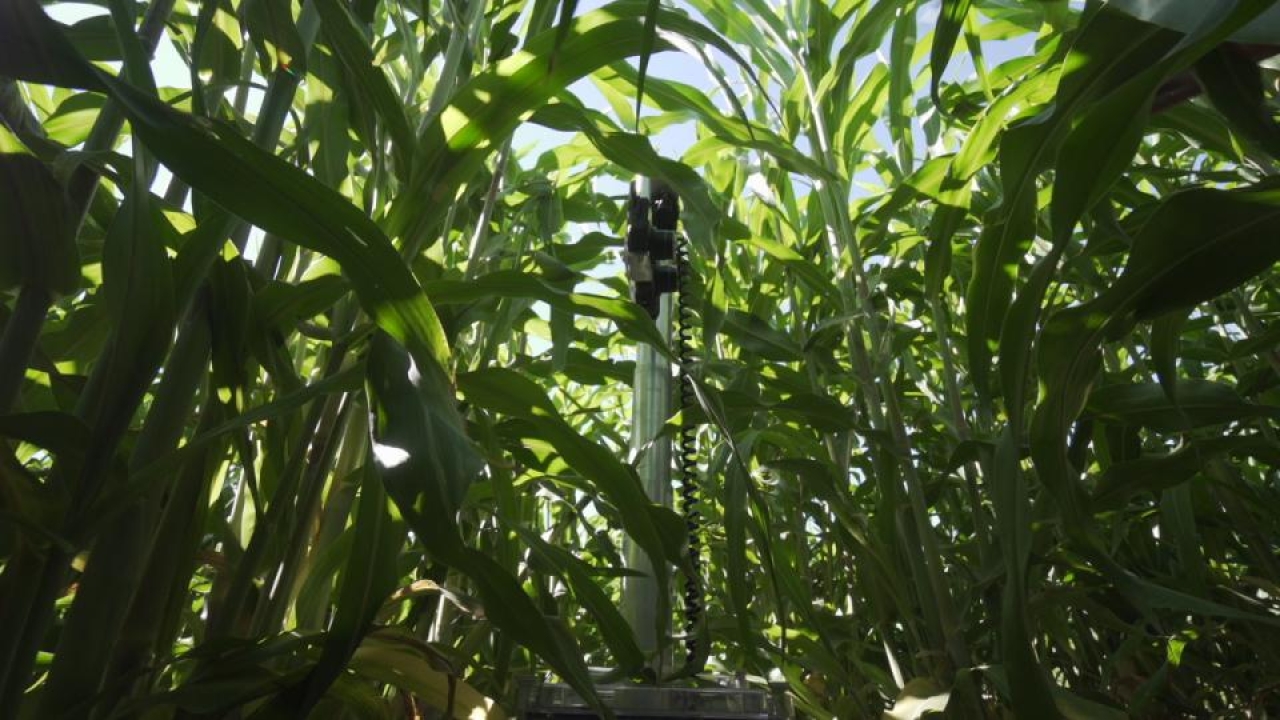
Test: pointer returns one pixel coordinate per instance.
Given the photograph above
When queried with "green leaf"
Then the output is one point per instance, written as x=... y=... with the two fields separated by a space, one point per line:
x=1197 y=245
x=629 y=317
x=1031 y=688
x=804 y=268
x=278 y=197
x=1200 y=403
x=1187 y=17
x=426 y=463
x=71 y=123
x=1101 y=145
x=675 y=96
x=235 y=674
x=1005 y=238
x=945 y=33
x=401 y=663
x=1233 y=82
x=63 y=434
x=1156 y=473
x=367 y=581
x=1203 y=128
x=821 y=412
x=271 y=27
x=1148 y=596
x=1074 y=707
x=37 y=235
x=280 y=306
x=512 y=394
x=755 y=335
x=366 y=82
x=95 y=37
x=646 y=50
x=613 y=626
x=141 y=480
x=1109 y=49
x=902 y=41
x=487 y=109
x=36 y=49
x=1165 y=335
x=138 y=295
x=635 y=153
x=427 y=460
x=736 y=564
x=282 y=200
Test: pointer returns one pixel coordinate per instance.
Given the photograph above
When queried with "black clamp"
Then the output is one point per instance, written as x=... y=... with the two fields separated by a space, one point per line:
x=652 y=221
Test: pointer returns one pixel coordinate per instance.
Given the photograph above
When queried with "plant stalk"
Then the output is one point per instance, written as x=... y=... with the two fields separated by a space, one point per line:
x=19 y=340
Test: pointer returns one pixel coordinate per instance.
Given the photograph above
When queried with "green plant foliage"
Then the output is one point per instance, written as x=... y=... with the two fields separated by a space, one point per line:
x=317 y=357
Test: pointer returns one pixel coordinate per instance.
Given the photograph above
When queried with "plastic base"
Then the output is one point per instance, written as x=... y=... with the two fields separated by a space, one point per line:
x=546 y=701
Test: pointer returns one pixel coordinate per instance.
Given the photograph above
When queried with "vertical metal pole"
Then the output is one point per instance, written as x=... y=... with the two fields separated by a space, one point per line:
x=650 y=408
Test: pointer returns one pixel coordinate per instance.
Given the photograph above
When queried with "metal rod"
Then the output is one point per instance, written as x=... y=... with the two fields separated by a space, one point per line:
x=651 y=407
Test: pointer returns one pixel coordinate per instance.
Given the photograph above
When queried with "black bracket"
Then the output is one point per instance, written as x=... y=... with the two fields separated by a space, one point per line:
x=652 y=221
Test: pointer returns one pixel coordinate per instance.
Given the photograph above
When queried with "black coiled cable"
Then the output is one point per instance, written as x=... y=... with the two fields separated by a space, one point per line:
x=687 y=449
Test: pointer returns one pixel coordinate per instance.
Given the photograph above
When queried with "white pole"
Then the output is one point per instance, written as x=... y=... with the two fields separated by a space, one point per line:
x=650 y=408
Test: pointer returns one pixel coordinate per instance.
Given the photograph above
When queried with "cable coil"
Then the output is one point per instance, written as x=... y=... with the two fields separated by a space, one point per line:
x=687 y=448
